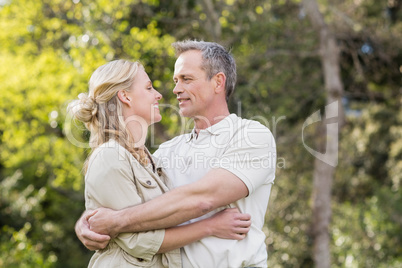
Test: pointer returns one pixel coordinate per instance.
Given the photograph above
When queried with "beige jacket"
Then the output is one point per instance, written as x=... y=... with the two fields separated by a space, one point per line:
x=115 y=179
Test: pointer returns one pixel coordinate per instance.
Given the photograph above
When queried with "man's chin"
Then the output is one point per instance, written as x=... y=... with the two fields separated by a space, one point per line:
x=184 y=113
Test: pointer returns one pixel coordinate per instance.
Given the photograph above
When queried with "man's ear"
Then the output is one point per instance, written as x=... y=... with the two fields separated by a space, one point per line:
x=220 y=82
x=123 y=97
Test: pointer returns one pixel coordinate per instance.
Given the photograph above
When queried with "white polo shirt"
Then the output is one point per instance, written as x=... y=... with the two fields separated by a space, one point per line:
x=247 y=149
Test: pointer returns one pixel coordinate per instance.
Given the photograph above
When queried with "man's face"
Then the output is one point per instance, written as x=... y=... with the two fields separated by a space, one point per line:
x=194 y=92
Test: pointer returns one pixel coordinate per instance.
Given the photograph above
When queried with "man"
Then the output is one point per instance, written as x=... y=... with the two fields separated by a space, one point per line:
x=225 y=161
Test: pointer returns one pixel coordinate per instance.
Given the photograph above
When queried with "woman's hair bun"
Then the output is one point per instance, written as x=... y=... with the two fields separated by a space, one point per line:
x=84 y=109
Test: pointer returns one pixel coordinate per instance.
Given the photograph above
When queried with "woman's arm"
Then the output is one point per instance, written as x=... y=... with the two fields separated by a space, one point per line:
x=228 y=224
x=110 y=183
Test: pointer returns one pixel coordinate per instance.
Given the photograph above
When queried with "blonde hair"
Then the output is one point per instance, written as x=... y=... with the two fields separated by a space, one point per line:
x=101 y=110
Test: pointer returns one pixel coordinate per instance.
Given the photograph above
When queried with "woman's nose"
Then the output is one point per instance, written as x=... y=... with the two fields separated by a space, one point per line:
x=158 y=95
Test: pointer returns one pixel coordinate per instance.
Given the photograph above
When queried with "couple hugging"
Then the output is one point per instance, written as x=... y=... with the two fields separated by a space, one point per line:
x=144 y=211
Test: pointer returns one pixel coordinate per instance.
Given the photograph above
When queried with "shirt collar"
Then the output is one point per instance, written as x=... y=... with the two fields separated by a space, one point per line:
x=212 y=130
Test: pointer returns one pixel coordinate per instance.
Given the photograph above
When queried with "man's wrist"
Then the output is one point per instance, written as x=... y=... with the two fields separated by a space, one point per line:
x=119 y=222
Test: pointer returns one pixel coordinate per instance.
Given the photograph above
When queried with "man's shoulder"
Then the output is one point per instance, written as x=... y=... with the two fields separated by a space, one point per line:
x=252 y=127
x=251 y=134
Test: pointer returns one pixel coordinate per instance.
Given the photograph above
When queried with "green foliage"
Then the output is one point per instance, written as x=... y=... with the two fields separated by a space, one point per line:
x=49 y=49
x=22 y=209
x=367 y=217
x=17 y=250
x=368 y=233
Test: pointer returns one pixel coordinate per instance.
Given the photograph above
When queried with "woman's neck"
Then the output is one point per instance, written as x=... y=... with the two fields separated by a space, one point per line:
x=139 y=131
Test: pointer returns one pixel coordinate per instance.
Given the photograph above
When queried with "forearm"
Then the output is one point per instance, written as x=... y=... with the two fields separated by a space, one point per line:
x=177 y=237
x=227 y=224
x=168 y=210
x=175 y=207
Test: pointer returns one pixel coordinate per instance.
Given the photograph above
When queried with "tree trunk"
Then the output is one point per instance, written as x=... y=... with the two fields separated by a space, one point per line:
x=213 y=25
x=324 y=170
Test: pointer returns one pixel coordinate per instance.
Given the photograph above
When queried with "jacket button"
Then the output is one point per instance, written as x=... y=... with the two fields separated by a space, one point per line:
x=149 y=182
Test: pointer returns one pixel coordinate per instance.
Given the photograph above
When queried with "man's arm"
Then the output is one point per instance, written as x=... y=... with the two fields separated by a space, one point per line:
x=217 y=188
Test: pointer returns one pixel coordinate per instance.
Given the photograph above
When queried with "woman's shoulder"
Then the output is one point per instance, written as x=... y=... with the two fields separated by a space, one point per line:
x=110 y=153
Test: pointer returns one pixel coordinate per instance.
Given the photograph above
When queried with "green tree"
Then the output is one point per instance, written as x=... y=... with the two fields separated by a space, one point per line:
x=49 y=49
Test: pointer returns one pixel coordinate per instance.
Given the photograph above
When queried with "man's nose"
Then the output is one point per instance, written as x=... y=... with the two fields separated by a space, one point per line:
x=177 y=89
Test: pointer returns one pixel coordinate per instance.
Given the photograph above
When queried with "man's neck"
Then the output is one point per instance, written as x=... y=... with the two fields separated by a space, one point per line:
x=202 y=122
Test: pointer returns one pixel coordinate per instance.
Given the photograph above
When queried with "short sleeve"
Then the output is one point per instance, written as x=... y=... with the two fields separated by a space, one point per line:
x=251 y=155
x=110 y=183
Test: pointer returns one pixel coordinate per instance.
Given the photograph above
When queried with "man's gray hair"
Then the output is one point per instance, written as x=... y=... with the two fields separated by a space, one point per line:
x=215 y=59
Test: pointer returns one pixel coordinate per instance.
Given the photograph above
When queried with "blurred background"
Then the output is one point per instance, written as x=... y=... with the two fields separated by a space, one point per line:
x=49 y=49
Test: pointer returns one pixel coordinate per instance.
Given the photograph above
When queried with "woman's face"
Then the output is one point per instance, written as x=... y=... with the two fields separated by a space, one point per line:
x=144 y=99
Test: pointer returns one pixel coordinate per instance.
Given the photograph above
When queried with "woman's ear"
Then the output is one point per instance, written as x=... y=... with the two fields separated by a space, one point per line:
x=220 y=81
x=123 y=97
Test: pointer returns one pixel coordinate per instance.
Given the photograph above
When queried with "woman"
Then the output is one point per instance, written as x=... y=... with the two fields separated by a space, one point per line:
x=120 y=172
